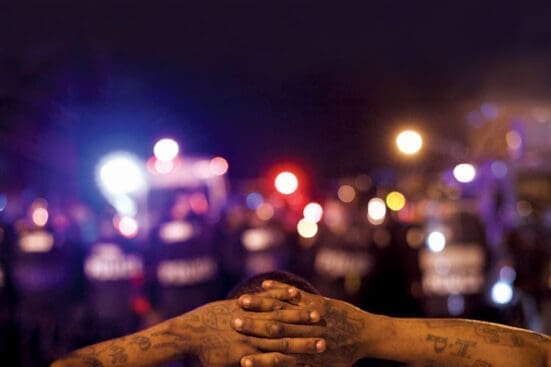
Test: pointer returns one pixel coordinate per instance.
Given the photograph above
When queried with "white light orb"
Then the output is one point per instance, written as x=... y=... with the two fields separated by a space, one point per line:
x=286 y=183
x=166 y=149
x=464 y=172
x=409 y=142
x=502 y=293
x=436 y=241
x=313 y=212
x=306 y=228
x=120 y=173
x=376 y=211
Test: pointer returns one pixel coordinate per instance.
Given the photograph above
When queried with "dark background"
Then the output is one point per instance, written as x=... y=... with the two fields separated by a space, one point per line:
x=323 y=84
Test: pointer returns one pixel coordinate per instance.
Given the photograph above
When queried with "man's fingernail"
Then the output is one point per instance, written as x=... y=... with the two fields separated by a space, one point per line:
x=247 y=362
x=320 y=345
x=314 y=316
x=267 y=284
x=238 y=323
x=292 y=292
x=245 y=300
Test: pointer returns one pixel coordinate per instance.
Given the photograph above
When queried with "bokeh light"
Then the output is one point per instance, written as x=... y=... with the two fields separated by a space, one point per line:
x=198 y=203
x=254 y=200
x=489 y=110
x=514 y=140
x=499 y=169
x=166 y=149
x=456 y=304
x=286 y=183
x=120 y=173
x=3 y=201
x=128 y=227
x=313 y=212
x=436 y=241
x=265 y=211
x=395 y=201
x=409 y=142
x=415 y=237
x=464 y=172
x=376 y=211
x=40 y=216
x=306 y=228
x=502 y=293
x=163 y=167
x=218 y=166
x=346 y=193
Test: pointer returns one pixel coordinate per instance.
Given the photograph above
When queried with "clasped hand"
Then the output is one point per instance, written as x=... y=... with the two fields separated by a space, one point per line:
x=284 y=326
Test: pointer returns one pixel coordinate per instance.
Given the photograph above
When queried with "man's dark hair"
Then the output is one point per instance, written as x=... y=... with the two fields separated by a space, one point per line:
x=254 y=284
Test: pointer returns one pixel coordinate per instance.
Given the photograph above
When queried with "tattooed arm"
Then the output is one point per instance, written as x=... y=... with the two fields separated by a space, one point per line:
x=204 y=332
x=352 y=334
x=454 y=343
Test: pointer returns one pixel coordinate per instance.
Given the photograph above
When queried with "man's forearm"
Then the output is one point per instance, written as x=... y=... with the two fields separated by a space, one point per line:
x=167 y=341
x=453 y=343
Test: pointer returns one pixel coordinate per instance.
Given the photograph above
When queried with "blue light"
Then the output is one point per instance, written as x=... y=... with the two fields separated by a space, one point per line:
x=3 y=201
x=489 y=110
x=254 y=200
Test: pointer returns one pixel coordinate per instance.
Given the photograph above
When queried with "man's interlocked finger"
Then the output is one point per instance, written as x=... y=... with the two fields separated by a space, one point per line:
x=289 y=345
x=268 y=328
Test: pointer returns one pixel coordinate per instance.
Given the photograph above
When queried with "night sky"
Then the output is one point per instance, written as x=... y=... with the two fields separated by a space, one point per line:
x=322 y=84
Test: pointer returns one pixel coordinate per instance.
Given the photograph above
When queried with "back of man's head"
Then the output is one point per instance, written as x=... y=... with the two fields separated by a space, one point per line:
x=254 y=284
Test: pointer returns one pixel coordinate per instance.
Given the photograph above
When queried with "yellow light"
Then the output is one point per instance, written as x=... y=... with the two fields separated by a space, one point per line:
x=306 y=228
x=346 y=193
x=395 y=201
x=409 y=142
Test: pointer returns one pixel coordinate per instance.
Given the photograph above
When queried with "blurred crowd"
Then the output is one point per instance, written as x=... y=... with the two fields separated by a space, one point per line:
x=71 y=276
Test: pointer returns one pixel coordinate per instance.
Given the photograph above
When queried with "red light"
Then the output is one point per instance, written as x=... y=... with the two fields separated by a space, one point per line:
x=198 y=203
x=140 y=305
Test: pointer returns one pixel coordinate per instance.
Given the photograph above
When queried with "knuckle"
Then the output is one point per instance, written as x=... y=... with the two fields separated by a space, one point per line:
x=304 y=315
x=285 y=344
x=274 y=329
x=277 y=361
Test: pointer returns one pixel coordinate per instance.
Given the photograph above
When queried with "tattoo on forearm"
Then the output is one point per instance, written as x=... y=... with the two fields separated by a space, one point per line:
x=142 y=342
x=494 y=335
x=117 y=354
x=87 y=360
x=463 y=348
x=459 y=349
x=433 y=363
x=440 y=343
